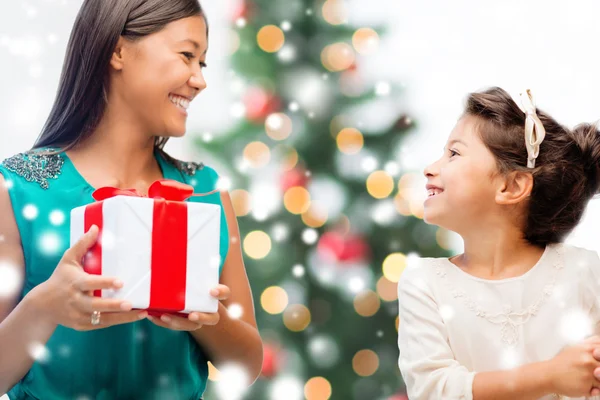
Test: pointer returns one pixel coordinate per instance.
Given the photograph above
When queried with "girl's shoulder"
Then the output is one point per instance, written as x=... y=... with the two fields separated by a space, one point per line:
x=580 y=259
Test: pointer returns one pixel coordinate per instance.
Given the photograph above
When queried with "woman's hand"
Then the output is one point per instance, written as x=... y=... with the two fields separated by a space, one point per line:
x=66 y=298
x=195 y=320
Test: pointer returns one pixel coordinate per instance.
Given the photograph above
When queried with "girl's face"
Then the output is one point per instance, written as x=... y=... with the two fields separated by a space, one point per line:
x=461 y=184
x=161 y=73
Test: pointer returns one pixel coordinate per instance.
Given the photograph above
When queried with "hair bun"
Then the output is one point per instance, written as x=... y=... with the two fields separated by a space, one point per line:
x=587 y=138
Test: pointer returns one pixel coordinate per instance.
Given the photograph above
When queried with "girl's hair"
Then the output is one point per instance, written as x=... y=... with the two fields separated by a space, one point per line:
x=566 y=173
x=82 y=91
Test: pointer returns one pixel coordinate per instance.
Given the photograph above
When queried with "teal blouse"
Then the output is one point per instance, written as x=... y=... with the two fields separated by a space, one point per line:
x=138 y=360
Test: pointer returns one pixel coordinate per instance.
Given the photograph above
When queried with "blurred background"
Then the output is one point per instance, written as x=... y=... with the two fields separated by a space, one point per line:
x=320 y=117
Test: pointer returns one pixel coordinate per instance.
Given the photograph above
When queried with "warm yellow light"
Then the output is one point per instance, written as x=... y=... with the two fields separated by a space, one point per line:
x=365 y=363
x=257 y=245
x=296 y=317
x=334 y=12
x=365 y=41
x=338 y=56
x=296 y=200
x=315 y=216
x=257 y=154
x=380 y=184
x=270 y=38
x=366 y=303
x=393 y=266
x=387 y=290
x=274 y=300
x=317 y=388
x=278 y=126
x=350 y=141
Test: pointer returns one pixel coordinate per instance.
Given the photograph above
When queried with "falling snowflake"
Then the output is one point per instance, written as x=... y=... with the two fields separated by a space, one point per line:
x=509 y=358
x=310 y=236
x=324 y=351
x=447 y=312
x=286 y=25
x=233 y=382
x=30 y=212
x=38 y=352
x=49 y=243
x=11 y=280
x=65 y=351
x=235 y=311
x=356 y=284
x=280 y=232
x=294 y=106
x=383 y=89
x=298 y=271
x=224 y=183
x=240 y=22
x=215 y=261
x=575 y=325
x=57 y=217
x=287 y=387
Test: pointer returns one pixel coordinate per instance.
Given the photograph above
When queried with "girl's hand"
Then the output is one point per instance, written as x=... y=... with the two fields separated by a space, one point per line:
x=66 y=298
x=573 y=369
x=195 y=320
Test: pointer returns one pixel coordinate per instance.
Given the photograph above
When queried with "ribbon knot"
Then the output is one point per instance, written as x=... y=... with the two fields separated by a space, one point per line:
x=166 y=189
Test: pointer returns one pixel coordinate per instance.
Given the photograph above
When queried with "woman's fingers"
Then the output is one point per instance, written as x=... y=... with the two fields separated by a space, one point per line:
x=89 y=282
x=204 y=318
x=221 y=292
x=116 y=318
x=90 y=304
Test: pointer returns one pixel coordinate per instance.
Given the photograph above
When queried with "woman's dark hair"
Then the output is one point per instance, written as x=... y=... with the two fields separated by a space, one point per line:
x=566 y=171
x=82 y=91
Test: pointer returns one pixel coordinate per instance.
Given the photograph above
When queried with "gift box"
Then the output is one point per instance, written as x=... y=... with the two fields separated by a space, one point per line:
x=164 y=248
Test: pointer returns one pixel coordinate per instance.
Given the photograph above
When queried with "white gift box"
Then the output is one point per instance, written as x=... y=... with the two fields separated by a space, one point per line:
x=128 y=241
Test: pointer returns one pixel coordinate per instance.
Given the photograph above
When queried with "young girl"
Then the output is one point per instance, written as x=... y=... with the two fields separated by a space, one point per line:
x=132 y=67
x=514 y=317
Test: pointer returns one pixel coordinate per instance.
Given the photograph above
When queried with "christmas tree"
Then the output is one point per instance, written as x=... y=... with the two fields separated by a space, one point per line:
x=328 y=214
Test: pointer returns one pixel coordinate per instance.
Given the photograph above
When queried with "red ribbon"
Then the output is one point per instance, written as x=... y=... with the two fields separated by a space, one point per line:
x=169 y=240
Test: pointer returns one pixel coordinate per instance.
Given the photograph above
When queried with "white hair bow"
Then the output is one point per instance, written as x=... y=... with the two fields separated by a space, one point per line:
x=534 y=129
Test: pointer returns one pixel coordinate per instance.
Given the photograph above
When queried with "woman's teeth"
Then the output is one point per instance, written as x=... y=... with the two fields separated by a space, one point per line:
x=180 y=101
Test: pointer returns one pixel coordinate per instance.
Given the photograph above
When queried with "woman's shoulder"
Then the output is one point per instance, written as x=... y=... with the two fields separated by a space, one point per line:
x=38 y=166
x=203 y=177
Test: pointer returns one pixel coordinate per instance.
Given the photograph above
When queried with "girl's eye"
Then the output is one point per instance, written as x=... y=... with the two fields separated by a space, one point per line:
x=452 y=153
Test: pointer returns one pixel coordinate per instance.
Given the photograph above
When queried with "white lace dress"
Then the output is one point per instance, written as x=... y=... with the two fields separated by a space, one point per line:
x=453 y=324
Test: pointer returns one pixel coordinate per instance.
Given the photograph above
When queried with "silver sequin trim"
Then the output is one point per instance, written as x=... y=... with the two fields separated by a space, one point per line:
x=35 y=167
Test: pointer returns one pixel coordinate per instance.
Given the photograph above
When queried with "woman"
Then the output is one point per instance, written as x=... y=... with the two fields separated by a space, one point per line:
x=131 y=69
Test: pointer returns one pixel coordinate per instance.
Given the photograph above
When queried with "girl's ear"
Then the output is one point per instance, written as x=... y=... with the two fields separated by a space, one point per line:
x=515 y=188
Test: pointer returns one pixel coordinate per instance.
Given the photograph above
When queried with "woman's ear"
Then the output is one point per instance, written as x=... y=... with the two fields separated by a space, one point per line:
x=117 y=60
x=516 y=187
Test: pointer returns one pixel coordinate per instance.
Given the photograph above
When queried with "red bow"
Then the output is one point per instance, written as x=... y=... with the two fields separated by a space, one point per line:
x=162 y=189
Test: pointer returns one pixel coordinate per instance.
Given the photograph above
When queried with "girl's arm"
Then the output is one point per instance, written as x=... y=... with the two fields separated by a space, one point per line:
x=234 y=340
x=427 y=362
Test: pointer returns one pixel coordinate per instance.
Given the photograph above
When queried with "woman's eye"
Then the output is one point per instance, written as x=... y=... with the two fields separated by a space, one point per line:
x=452 y=153
x=188 y=55
x=203 y=65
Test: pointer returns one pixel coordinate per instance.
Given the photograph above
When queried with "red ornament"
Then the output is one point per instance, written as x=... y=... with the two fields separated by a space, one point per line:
x=294 y=177
x=337 y=247
x=260 y=104
x=271 y=361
